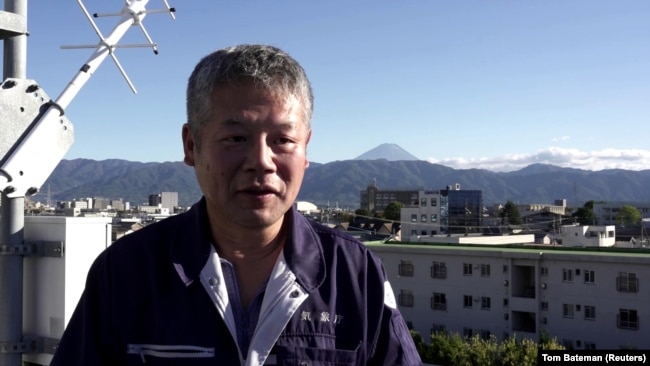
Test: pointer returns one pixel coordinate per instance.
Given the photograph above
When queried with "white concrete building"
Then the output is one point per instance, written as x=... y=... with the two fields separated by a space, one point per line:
x=587 y=236
x=587 y=299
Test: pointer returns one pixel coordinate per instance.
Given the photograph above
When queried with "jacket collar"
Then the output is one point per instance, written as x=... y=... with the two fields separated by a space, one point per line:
x=191 y=244
x=303 y=250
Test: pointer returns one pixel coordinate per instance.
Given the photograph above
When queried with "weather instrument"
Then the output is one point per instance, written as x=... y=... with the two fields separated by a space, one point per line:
x=36 y=134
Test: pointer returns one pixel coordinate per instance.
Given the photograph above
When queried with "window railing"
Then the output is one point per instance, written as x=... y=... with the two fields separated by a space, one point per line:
x=627 y=284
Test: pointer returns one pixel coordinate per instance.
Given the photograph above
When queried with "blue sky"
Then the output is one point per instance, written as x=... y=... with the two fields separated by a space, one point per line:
x=487 y=84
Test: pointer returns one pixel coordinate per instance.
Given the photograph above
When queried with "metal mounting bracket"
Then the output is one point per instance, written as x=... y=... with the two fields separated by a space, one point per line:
x=53 y=249
x=31 y=345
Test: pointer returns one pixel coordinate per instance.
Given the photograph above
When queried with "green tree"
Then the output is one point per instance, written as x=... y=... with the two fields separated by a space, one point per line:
x=585 y=215
x=455 y=350
x=628 y=215
x=393 y=211
x=510 y=212
x=362 y=212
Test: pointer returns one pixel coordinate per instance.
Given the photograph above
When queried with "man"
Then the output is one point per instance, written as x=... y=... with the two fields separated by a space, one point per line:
x=241 y=278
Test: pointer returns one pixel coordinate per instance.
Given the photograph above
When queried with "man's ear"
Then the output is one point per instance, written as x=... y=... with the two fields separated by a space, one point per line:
x=188 y=145
x=307 y=143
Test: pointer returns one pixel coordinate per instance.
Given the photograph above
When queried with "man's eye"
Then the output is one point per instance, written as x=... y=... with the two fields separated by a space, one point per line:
x=282 y=141
x=236 y=139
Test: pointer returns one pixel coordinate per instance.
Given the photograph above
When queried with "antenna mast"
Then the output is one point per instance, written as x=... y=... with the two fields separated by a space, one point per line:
x=35 y=136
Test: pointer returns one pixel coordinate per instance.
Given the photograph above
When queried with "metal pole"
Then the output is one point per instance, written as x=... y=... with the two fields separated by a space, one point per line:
x=15 y=48
x=11 y=281
x=13 y=218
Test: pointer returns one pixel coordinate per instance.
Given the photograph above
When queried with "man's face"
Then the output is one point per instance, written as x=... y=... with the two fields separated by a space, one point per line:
x=252 y=156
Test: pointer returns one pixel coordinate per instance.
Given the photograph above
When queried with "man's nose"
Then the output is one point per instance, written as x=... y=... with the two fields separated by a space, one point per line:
x=260 y=156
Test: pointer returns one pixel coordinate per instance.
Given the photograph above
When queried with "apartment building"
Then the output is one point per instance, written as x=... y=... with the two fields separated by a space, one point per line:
x=587 y=299
x=606 y=212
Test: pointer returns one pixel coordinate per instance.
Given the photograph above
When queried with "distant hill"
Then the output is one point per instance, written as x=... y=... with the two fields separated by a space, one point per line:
x=341 y=181
x=390 y=152
x=131 y=181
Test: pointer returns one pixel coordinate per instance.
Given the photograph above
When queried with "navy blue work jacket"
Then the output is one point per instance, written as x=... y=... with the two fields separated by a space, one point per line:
x=158 y=297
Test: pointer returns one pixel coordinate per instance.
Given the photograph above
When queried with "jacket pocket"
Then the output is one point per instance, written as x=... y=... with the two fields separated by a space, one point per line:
x=150 y=352
x=299 y=356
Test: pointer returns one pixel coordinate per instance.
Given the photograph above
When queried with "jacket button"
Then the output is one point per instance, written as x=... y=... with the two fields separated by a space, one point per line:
x=294 y=294
x=213 y=281
x=304 y=363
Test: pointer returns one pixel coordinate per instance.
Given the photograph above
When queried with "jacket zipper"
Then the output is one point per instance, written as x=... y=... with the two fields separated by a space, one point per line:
x=169 y=351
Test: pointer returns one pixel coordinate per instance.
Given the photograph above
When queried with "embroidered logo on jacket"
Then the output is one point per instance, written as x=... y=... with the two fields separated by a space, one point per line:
x=322 y=316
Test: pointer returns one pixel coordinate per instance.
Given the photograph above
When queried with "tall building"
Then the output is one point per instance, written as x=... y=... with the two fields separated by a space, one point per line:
x=445 y=211
x=101 y=203
x=154 y=199
x=168 y=200
x=374 y=200
x=117 y=204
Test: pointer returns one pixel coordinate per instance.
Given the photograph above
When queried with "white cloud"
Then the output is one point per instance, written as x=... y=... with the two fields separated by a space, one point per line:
x=562 y=157
x=561 y=138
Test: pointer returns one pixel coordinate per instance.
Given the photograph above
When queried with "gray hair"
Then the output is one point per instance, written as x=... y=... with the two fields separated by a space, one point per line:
x=266 y=67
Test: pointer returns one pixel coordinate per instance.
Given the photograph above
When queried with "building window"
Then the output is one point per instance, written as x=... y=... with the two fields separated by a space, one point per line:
x=467 y=301
x=567 y=343
x=485 y=270
x=486 y=303
x=423 y=202
x=424 y=218
x=406 y=268
x=414 y=217
x=505 y=268
x=467 y=332
x=434 y=218
x=414 y=232
x=505 y=302
x=567 y=310
x=438 y=328
x=590 y=345
x=439 y=301
x=590 y=276
x=467 y=269
x=406 y=298
x=627 y=282
x=590 y=312
x=567 y=275
x=543 y=271
x=628 y=319
x=544 y=305
x=434 y=201
x=439 y=270
x=485 y=334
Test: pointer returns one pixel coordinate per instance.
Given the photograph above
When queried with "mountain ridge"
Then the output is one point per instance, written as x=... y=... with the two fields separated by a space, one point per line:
x=387 y=151
x=341 y=181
